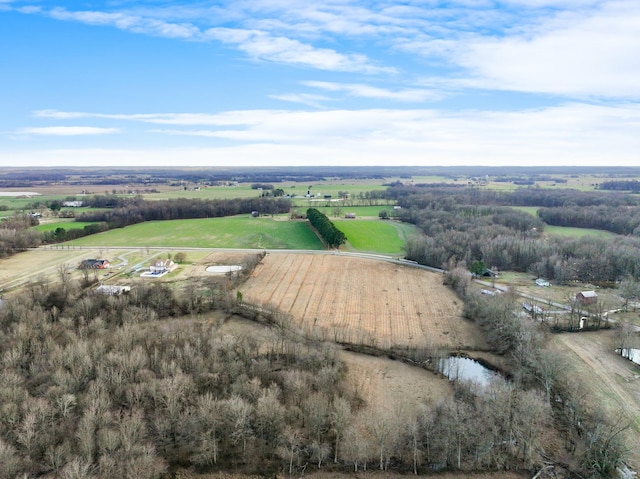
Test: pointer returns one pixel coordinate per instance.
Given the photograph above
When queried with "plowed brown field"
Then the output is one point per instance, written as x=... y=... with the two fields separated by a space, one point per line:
x=362 y=301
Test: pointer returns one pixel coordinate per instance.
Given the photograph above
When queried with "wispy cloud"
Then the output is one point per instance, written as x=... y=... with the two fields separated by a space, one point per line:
x=571 y=134
x=576 y=48
x=257 y=44
x=414 y=95
x=123 y=21
x=67 y=131
x=263 y=46
x=309 y=99
x=574 y=133
x=240 y=117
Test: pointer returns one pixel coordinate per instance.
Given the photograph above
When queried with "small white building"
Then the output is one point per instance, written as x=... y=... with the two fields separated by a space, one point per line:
x=543 y=283
x=162 y=266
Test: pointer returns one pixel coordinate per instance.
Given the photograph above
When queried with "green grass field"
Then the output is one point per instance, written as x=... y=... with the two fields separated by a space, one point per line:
x=67 y=225
x=577 y=232
x=377 y=236
x=233 y=232
x=532 y=210
x=17 y=204
x=565 y=230
x=330 y=211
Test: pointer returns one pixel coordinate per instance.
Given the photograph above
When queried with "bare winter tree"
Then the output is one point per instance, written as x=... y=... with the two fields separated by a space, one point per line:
x=340 y=418
x=384 y=430
x=546 y=367
x=629 y=291
x=290 y=446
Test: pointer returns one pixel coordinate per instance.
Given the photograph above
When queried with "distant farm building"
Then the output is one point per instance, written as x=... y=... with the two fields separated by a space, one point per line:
x=350 y=216
x=543 y=283
x=587 y=297
x=72 y=204
x=94 y=264
x=162 y=266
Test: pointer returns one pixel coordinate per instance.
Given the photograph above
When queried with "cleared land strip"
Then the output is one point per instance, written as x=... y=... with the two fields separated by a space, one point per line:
x=354 y=299
x=607 y=380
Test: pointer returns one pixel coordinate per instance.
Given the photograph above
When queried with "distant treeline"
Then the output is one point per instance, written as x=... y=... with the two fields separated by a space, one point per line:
x=30 y=177
x=541 y=197
x=462 y=225
x=621 y=185
x=132 y=211
x=623 y=220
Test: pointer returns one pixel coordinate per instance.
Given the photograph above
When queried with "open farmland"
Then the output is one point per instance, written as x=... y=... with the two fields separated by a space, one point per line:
x=377 y=235
x=39 y=264
x=229 y=232
x=356 y=300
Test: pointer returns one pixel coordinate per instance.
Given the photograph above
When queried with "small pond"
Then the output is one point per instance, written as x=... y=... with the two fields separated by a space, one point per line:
x=631 y=354
x=459 y=368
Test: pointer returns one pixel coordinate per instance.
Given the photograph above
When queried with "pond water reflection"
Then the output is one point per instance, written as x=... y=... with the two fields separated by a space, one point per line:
x=631 y=354
x=459 y=368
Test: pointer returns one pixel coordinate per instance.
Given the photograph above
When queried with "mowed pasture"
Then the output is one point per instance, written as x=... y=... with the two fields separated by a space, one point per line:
x=67 y=225
x=376 y=235
x=232 y=232
x=362 y=301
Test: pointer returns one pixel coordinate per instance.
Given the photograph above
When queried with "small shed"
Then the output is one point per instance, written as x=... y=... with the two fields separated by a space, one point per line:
x=587 y=297
x=543 y=283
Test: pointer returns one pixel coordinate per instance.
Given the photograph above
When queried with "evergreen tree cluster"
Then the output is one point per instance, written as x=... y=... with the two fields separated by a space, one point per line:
x=330 y=234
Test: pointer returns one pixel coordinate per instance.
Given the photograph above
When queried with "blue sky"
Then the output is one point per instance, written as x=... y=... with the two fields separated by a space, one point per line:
x=338 y=82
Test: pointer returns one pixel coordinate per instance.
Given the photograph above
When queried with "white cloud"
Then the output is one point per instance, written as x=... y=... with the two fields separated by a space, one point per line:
x=309 y=99
x=263 y=46
x=414 y=95
x=123 y=21
x=257 y=44
x=571 y=134
x=67 y=131
x=580 y=55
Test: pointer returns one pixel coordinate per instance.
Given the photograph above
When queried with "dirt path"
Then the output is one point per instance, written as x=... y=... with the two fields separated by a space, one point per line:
x=611 y=381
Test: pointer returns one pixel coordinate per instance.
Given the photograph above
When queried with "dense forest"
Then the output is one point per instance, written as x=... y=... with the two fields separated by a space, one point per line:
x=465 y=225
